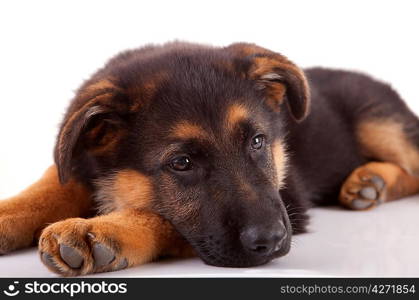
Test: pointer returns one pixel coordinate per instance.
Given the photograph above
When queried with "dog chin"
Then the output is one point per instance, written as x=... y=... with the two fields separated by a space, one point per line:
x=241 y=261
x=234 y=262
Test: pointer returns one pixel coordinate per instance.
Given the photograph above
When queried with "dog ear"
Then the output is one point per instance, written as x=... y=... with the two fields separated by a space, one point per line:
x=92 y=124
x=281 y=79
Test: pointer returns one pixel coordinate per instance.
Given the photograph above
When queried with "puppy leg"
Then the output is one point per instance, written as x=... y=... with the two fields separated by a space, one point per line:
x=375 y=183
x=107 y=243
x=24 y=216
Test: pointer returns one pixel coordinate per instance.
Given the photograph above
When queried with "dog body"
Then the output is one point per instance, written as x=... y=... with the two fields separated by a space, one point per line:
x=185 y=149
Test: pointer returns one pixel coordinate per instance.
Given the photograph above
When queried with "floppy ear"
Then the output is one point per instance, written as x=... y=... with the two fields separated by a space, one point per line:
x=281 y=79
x=91 y=125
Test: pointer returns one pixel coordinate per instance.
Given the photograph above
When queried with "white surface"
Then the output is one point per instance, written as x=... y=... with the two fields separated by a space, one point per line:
x=49 y=47
x=383 y=242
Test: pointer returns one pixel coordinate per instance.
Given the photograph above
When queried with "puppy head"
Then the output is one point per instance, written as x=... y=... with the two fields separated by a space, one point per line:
x=196 y=134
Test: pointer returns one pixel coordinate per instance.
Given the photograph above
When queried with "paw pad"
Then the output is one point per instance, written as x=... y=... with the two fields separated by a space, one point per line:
x=71 y=257
x=363 y=192
x=102 y=255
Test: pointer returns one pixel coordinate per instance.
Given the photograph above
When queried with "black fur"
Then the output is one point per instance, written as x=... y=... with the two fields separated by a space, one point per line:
x=199 y=84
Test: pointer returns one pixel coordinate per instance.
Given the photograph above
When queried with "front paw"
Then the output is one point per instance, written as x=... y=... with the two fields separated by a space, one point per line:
x=363 y=190
x=78 y=247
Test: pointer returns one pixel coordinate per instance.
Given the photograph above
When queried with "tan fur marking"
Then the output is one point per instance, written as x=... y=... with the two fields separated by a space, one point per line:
x=186 y=130
x=399 y=183
x=100 y=85
x=126 y=189
x=280 y=158
x=235 y=114
x=385 y=140
x=266 y=65
x=24 y=216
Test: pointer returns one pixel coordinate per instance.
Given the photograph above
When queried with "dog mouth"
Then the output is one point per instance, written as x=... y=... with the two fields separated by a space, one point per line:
x=215 y=253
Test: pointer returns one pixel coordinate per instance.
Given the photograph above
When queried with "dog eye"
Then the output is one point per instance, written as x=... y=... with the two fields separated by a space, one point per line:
x=257 y=142
x=182 y=163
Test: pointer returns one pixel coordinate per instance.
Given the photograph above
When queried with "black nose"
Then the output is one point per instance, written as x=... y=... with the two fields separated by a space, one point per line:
x=263 y=240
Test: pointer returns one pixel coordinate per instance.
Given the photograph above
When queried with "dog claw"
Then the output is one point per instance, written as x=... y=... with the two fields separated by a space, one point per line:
x=353 y=191
x=368 y=193
x=102 y=255
x=365 y=178
x=90 y=236
x=71 y=257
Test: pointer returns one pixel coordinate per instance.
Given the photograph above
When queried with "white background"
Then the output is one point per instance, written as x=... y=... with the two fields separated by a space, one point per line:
x=47 y=48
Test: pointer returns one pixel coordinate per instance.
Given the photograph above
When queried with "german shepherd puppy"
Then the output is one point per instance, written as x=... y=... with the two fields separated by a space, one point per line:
x=186 y=149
